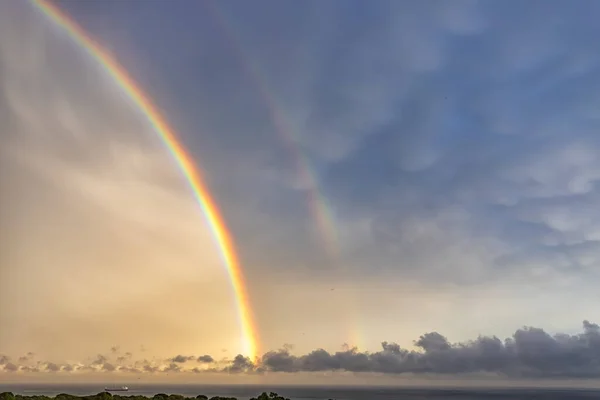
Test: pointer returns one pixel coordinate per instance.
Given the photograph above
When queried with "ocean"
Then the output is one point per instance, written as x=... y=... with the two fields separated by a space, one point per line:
x=316 y=393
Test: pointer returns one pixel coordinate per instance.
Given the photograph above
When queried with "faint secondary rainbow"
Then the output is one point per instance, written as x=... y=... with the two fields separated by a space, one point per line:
x=319 y=206
x=321 y=210
x=183 y=160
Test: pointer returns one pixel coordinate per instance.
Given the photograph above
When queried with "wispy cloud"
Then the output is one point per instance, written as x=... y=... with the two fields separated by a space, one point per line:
x=101 y=224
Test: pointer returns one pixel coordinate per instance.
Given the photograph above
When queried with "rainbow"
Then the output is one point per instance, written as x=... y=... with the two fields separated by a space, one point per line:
x=320 y=207
x=183 y=160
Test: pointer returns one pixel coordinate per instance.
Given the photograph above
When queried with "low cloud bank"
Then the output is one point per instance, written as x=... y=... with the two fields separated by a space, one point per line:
x=529 y=353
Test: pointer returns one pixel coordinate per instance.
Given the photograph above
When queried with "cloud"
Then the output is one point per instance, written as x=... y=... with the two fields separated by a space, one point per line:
x=125 y=357
x=205 y=359
x=181 y=359
x=477 y=136
x=10 y=367
x=108 y=367
x=172 y=367
x=27 y=357
x=405 y=122
x=239 y=364
x=34 y=369
x=52 y=367
x=529 y=353
x=131 y=370
x=446 y=134
x=100 y=360
x=150 y=368
x=68 y=368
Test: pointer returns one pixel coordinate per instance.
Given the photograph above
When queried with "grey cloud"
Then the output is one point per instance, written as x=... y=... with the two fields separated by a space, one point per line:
x=4 y=359
x=590 y=327
x=459 y=135
x=28 y=368
x=182 y=359
x=471 y=108
x=334 y=100
x=52 y=367
x=140 y=363
x=150 y=368
x=433 y=342
x=27 y=357
x=124 y=358
x=100 y=360
x=68 y=368
x=358 y=74
x=240 y=364
x=205 y=359
x=11 y=367
x=171 y=368
x=108 y=367
x=132 y=370
x=529 y=353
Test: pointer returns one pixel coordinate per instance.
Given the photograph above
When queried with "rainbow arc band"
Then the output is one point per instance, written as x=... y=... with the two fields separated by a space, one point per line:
x=184 y=161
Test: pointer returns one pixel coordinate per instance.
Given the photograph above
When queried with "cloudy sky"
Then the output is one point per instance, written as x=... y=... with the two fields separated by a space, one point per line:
x=420 y=173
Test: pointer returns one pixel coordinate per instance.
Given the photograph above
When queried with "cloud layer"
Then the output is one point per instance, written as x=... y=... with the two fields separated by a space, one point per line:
x=529 y=353
x=470 y=133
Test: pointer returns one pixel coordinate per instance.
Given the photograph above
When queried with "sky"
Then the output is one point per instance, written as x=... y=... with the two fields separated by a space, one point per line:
x=411 y=188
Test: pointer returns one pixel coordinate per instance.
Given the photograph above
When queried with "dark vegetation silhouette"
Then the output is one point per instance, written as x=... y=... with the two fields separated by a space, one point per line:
x=109 y=396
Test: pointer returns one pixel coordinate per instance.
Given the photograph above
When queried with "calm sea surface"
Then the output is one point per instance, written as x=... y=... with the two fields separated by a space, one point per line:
x=313 y=393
